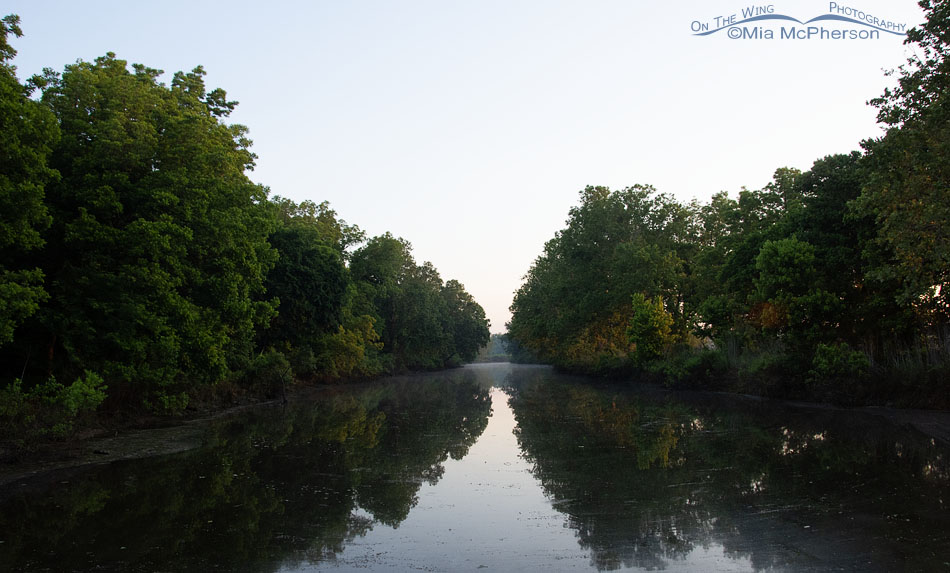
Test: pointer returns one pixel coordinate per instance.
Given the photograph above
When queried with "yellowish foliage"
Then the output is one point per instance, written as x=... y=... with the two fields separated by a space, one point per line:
x=604 y=338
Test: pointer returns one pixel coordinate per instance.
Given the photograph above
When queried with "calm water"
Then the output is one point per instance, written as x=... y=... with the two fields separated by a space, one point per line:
x=504 y=468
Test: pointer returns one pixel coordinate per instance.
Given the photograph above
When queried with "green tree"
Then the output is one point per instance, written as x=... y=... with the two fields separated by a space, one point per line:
x=317 y=326
x=380 y=267
x=466 y=323
x=27 y=133
x=575 y=301
x=791 y=298
x=158 y=250
x=320 y=217
x=310 y=281
x=423 y=323
x=650 y=328
x=419 y=331
x=910 y=172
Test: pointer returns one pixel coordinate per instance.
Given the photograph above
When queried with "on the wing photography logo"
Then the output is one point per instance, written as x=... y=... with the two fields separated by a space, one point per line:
x=764 y=22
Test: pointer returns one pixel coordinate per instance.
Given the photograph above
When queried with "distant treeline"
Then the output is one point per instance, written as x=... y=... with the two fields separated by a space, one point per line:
x=140 y=266
x=495 y=351
x=830 y=283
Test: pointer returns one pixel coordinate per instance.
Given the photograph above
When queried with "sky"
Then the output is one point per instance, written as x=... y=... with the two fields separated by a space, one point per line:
x=469 y=128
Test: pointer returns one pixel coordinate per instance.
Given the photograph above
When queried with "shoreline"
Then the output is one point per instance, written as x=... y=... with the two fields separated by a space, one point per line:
x=171 y=436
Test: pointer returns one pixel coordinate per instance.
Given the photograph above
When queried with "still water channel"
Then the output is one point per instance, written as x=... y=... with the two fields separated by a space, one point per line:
x=503 y=468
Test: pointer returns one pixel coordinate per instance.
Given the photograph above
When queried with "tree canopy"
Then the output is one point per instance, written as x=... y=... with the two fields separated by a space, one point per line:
x=137 y=256
x=829 y=283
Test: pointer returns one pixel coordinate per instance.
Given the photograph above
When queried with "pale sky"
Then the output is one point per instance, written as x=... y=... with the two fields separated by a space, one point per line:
x=468 y=128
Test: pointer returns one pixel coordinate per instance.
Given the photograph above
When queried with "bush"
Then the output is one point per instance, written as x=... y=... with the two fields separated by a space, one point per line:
x=650 y=328
x=165 y=404
x=691 y=366
x=269 y=373
x=48 y=410
x=836 y=373
x=838 y=361
x=771 y=362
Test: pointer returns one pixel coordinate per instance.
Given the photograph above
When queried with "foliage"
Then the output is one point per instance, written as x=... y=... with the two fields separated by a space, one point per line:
x=134 y=244
x=423 y=323
x=837 y=361
x=577 y=293
x=271 y=372
x=49 y=409
x=650 y=328
x=27 y=133
x=906 y=192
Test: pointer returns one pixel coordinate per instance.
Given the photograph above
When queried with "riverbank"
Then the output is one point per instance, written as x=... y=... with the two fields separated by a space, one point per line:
x=127 y=437
x=143 y=438
x=132 y=437
x=779 y=376
x=154 y=436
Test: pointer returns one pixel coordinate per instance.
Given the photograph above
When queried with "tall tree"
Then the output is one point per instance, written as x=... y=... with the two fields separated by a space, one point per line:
x=908 y=192
x=158 y=250
x=381 y=267
x=575 y=302
x=466 y=323
x=423 y=323
x=27 y=133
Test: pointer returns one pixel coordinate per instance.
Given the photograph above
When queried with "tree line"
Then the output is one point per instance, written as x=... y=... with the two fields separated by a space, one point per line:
x=830 y=283
x=140 y=266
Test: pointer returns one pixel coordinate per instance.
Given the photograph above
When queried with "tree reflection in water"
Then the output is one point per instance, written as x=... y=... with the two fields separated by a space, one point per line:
x=275 y=487
x=646 y=478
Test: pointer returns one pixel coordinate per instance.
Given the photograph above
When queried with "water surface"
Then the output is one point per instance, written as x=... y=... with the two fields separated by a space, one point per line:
x=501 y=467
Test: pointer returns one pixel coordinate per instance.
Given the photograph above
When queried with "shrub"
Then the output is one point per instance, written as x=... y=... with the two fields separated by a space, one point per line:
x=269 y=373
x=838 y=361
x=49 y=409
x=650 y=328
x=163 y=403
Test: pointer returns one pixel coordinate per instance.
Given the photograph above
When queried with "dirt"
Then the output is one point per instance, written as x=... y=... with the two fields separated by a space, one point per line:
x=935 y=424
x=141 y=438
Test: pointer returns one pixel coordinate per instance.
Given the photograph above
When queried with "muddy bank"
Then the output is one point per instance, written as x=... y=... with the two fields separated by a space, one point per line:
x=932 y=423
x=140 y=439
x=169 y=436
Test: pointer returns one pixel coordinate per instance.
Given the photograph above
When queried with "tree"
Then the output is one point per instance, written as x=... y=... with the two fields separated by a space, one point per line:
x=320 y=217
x=423 y=323
x=575 y=301
x=158 y=250
x=422 y=339
x=27 y=133
x=310 y=282
x=907 y=192
x=380 y=268
x=650 y=328
x=317 y=325
x=466 y=323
